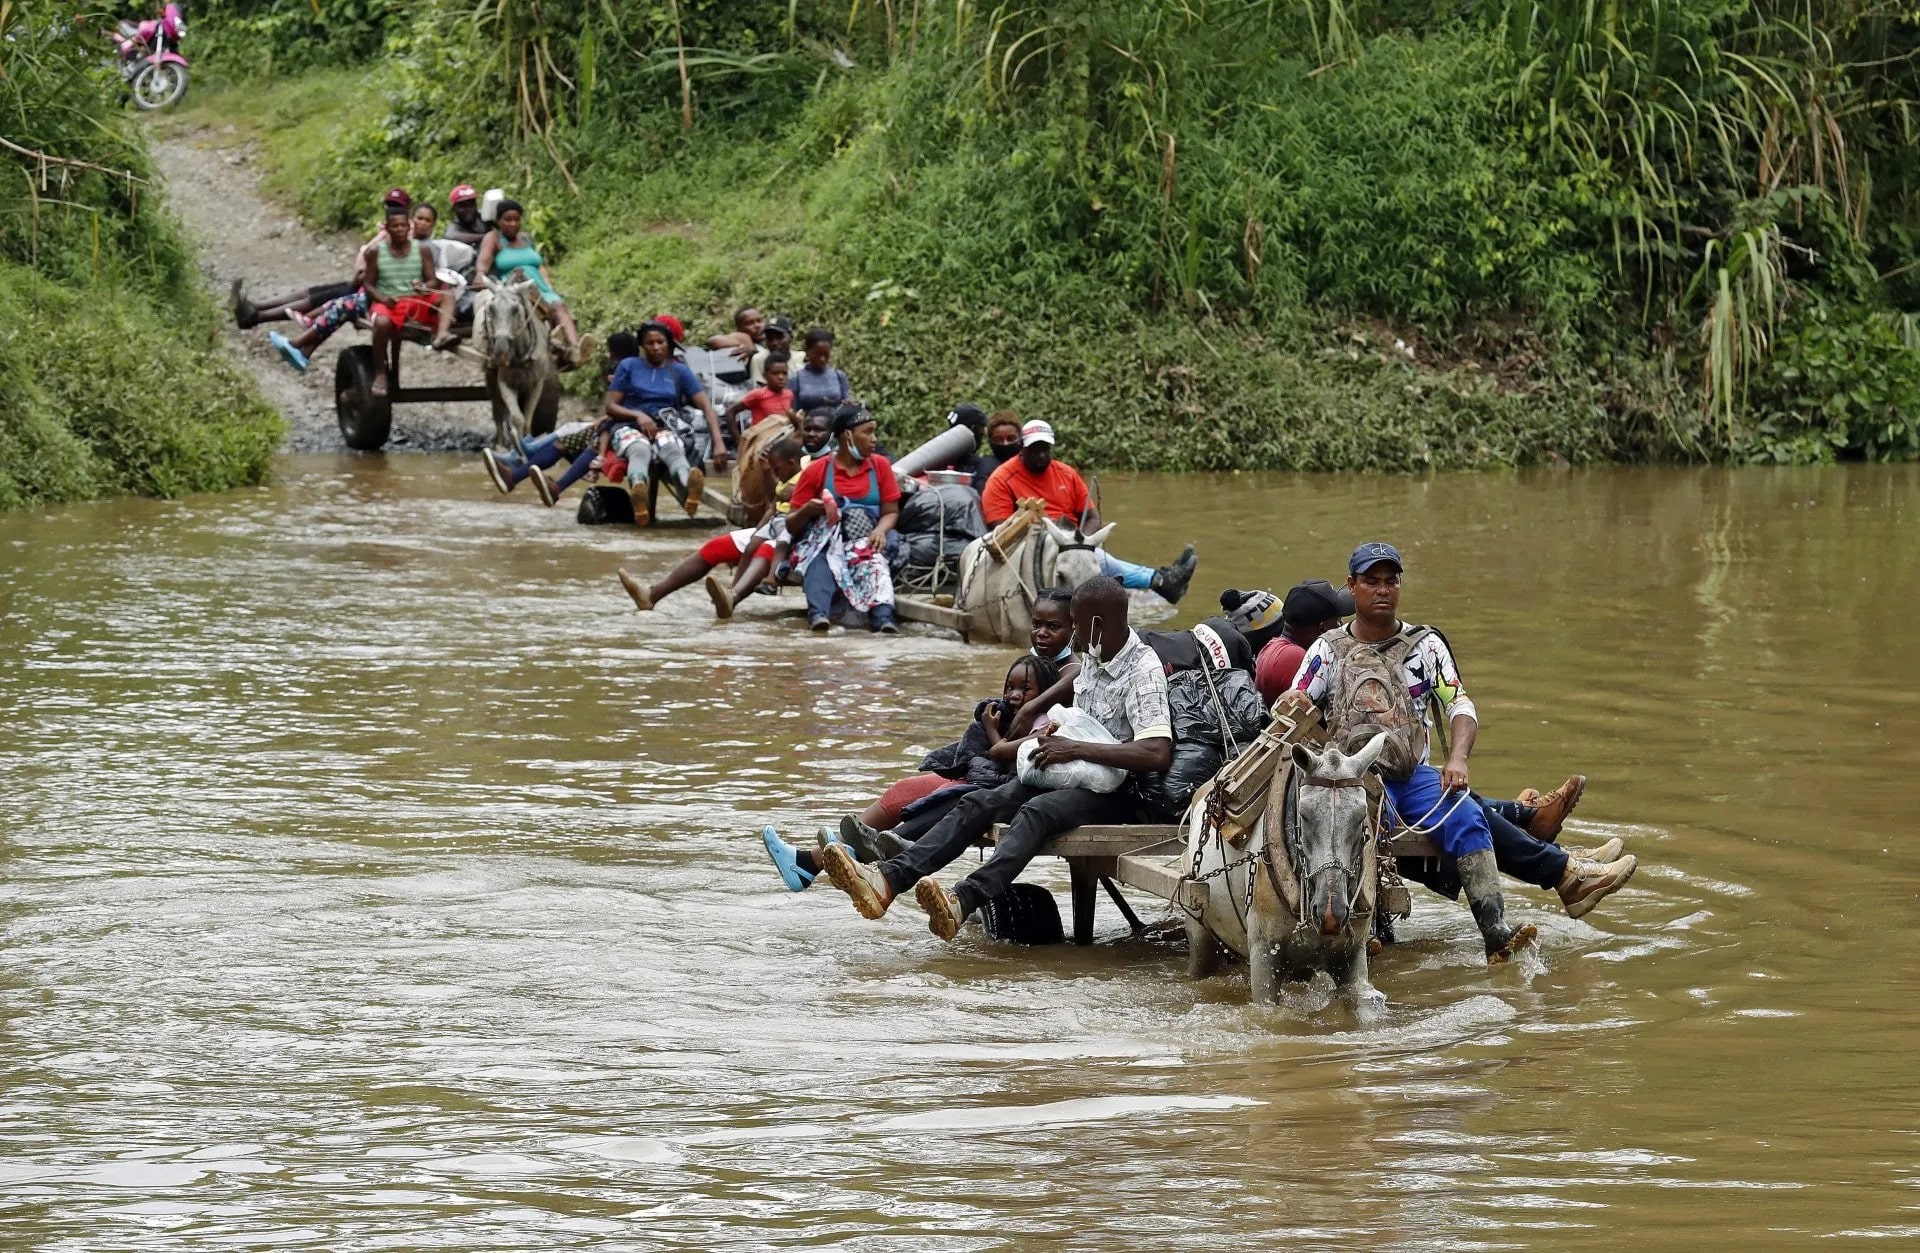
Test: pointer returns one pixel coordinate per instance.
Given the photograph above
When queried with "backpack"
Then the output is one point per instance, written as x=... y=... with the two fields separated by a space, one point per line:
x=1369 y=695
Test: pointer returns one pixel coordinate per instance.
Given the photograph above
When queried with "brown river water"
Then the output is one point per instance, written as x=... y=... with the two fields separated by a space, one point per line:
x=374 y=877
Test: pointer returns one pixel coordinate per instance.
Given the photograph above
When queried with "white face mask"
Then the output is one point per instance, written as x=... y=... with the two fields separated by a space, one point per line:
x=1090 y=656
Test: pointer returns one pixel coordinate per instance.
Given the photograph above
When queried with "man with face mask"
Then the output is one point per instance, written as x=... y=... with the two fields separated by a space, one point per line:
x=1122 y=685
x=1003 y=445
x=1035 y=473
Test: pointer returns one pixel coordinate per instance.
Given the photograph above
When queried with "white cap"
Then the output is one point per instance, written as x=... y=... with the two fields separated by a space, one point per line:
x=1036 y=432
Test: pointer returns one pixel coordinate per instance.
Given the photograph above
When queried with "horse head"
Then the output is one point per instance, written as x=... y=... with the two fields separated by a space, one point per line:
x=1076 y=557
x=1329 y=839
x=504 y=322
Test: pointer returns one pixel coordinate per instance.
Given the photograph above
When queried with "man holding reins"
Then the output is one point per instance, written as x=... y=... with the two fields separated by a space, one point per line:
x=1377 y=673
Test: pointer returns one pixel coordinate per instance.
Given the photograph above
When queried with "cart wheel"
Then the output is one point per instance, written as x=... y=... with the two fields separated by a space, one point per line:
x=546 y=411
x=365 y=420
x=1025 y=913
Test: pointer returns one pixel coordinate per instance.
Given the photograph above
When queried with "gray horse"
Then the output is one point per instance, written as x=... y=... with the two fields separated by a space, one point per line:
x=521 y=379
x=999 y=594
x=1312 y=862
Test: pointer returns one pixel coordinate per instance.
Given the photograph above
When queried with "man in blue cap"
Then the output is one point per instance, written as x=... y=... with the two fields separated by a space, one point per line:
x=1378 y=674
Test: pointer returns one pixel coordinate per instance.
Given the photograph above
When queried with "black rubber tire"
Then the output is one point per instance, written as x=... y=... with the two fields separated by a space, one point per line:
x=605 y=505
x=1025 y=913
x=546 y=411
x=365 y=421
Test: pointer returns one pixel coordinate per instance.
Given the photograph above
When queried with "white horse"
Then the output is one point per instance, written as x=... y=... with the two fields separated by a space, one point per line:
x=1313 y=865
x=999 y=592
x=518 y=344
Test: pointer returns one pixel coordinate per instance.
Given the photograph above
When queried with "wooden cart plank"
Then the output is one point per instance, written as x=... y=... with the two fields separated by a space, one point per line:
x=912 y=609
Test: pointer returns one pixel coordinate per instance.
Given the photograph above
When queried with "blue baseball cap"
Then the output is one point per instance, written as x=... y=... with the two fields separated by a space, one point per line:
x=1372 y=554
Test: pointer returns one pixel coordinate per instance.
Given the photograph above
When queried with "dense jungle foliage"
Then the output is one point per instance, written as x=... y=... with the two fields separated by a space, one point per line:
x=106 y=384
x=1204 y=233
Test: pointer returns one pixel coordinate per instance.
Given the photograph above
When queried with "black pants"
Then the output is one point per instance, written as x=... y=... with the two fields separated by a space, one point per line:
x=1032 y=816
x=1518 y=854
x=925 y=819
x=317 y=296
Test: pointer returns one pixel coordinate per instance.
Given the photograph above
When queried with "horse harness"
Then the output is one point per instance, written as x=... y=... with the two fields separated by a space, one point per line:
x=1290 y=837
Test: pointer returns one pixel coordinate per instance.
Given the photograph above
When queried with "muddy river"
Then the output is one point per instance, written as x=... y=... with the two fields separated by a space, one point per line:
x=374 y=877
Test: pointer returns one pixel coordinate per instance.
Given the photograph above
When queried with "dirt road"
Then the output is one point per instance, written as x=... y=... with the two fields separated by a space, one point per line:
x=212 y=186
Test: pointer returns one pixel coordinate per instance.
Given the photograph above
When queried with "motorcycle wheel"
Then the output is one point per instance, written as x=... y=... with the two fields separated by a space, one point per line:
x=159 y=84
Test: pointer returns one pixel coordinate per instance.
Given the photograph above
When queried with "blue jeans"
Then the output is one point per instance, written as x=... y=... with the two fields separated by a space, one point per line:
x=1129 y=573
x=1463 y=826
x=1518 y=854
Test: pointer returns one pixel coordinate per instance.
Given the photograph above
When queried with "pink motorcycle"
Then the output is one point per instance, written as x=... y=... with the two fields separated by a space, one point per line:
x=150 y=59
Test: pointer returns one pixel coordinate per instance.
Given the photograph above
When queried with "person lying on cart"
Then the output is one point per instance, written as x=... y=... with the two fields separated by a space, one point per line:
x=1120 y=685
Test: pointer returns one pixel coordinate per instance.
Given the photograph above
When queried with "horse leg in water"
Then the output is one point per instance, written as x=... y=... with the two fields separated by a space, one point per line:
x=509 y=424
x=1203 y=951
x=1264 y=940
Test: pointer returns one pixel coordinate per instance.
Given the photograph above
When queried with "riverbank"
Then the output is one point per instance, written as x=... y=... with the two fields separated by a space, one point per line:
x=107 y=384
x=1127 y=389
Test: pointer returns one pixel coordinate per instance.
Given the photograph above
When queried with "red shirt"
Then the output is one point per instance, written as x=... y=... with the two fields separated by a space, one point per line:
x=764 y=403
x=858 y=488
x=1274 y=669
x=1061 y=487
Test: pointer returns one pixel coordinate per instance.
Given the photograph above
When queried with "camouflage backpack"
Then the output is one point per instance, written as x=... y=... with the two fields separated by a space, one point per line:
x=1368 y=694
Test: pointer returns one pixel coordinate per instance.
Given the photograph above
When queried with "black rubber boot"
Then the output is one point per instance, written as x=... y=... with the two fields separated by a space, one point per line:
x=1171 y=581
x=868 y=844
x=1480 y=877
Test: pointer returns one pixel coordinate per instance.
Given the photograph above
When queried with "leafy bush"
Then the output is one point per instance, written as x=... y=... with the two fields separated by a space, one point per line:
x=1843 y=382
x=107 y=382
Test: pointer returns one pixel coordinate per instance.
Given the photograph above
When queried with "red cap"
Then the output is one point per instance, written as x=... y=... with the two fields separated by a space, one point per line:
x=673 y=324
x=399 y=196
x=464 y=191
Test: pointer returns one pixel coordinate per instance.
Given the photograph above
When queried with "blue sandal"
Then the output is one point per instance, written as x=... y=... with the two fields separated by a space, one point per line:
x=291 y=355
x=786 y=860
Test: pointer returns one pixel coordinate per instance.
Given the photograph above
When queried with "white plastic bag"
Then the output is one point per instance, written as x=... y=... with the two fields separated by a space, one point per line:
x=1071 y=724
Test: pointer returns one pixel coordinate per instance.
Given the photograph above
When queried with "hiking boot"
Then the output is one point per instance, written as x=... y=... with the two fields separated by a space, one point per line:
x=866 y=885
x=1480 y=878
x=1550 y=811
x=540 y=485
x=1171 y=581
x=696 y=484
x=495 y=471
x=1587 y=883
x=637 y=497
x=1605 y=853
x=720 y=594
x=642 y=597
x=944 y=914
x=870 y=844
x=245 y=316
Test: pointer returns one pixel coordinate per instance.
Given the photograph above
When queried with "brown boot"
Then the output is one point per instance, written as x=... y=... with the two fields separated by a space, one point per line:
x=865 y=884
x=720 y=594
x=642 y=516
x=696 y=484
x=1605 y=853
x=1587 y=883
x=944 y=914
x=642 y=596
x=1550 y=811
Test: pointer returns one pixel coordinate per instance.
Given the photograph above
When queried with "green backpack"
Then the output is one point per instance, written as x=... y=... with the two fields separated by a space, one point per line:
x=1368 y=694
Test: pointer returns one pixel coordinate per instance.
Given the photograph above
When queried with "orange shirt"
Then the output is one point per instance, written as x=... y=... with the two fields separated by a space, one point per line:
x=1061 y=487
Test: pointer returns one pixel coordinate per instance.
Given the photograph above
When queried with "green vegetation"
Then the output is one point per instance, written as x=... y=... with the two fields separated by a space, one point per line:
x=106 y=382
x=1199 y=235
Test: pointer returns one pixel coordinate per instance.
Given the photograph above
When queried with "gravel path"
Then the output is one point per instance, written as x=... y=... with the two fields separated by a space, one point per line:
x=212 y=186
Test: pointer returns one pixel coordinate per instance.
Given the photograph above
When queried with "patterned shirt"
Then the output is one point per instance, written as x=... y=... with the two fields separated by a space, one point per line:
x=1128 y=695
x=1430 y=672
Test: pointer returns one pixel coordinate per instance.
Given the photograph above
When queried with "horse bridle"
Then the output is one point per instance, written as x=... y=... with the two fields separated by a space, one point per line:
x=1296 y=854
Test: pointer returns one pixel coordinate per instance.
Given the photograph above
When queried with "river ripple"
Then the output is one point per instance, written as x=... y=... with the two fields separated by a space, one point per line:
x=374 y=878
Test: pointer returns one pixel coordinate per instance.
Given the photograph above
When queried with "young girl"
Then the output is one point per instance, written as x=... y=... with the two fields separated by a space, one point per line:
x=982 y=757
